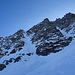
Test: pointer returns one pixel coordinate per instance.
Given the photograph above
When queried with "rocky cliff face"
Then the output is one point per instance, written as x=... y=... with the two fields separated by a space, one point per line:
x=47 y=36
x=65 y=22
x=13 y=41
x=10 y=45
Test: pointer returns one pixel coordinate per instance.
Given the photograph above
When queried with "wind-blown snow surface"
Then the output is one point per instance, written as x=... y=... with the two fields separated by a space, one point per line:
x=61 y=63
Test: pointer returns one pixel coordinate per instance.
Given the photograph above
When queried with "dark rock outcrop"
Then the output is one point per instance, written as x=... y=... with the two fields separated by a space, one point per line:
x=2 y=66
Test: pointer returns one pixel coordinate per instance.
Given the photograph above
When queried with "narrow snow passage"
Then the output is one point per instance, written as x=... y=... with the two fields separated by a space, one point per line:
x=71 y=31
x=27 y=48
x=63 y=32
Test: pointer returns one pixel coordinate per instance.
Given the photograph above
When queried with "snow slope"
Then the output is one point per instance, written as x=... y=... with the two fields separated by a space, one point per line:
x=61 y=63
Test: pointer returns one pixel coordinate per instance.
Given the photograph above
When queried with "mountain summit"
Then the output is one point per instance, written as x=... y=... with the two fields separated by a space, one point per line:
x=44 y=40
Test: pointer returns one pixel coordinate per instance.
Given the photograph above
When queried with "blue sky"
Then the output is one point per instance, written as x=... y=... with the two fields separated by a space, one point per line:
x=23 y=14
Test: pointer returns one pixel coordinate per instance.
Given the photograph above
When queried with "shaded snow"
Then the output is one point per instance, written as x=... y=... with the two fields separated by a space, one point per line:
x=61 y=63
